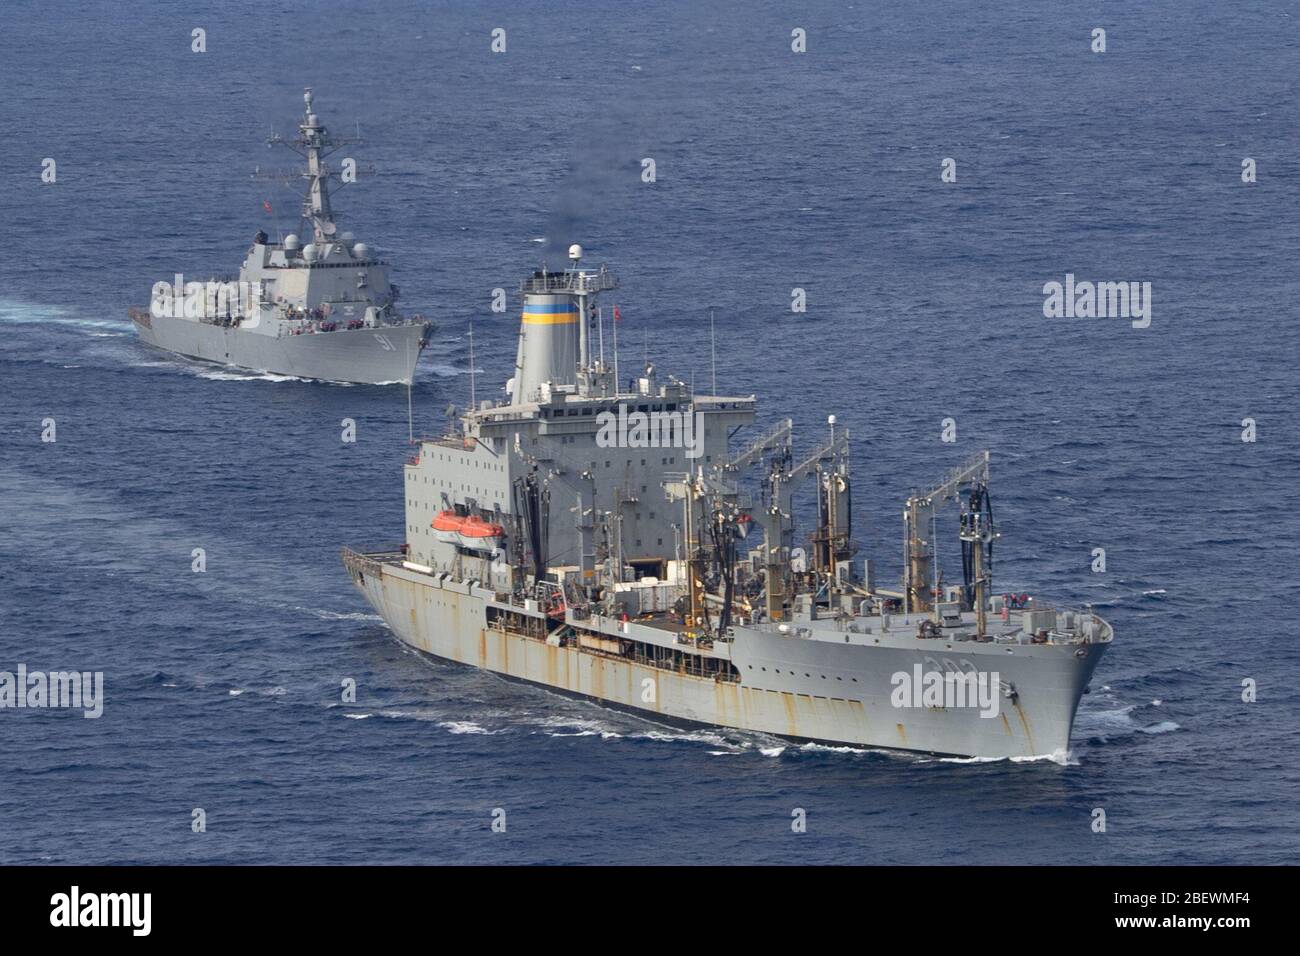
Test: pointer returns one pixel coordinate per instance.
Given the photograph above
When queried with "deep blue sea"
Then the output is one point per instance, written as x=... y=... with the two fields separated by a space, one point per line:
x=774 y=171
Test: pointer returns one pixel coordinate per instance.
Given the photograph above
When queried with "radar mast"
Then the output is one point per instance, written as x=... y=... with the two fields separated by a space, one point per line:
x=315 y=145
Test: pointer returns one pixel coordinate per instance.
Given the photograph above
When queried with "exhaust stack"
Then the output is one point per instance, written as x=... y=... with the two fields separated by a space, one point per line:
x=554 y=330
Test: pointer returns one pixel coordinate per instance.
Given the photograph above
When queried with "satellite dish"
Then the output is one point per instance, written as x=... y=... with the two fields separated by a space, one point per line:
x=575 y=252
x=328 y=228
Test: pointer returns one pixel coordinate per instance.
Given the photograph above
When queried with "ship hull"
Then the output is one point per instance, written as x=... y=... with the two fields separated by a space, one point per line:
x=791 y=688
x=373 y=356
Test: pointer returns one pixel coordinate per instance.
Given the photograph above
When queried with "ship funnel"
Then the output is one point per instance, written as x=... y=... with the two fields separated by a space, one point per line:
x=553 y=347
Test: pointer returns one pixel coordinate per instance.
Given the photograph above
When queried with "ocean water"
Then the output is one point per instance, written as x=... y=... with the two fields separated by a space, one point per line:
x=775 y=171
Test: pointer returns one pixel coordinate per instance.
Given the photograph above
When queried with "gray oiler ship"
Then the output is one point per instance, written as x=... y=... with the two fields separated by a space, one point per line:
x=604 y=540
x=323 y=310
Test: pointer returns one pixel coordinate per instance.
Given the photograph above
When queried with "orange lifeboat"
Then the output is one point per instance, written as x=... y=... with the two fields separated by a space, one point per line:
x=468 y=531
x=445 y=526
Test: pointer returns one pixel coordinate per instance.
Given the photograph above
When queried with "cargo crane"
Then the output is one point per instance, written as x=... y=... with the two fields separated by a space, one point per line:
x=830 y=464
x=714 y=532
x=919 y=580
x=977 y=535
x=834 y=510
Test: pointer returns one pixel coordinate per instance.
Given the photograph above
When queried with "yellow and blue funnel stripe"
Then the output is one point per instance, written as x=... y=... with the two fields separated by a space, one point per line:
x=550 y=313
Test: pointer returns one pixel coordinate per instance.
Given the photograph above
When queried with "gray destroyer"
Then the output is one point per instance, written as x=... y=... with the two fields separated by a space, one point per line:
x=608 y=540
x=320 y=310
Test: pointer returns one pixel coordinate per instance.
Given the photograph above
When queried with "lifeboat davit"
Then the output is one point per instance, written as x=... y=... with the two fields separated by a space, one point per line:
x=468 y=531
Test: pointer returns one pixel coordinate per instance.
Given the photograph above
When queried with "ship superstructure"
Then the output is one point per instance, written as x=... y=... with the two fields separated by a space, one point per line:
x=611 y=539
x=321 y=309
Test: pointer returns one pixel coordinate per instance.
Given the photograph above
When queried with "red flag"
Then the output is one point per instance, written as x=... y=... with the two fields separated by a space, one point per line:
x=266 y=205
x=618 y=316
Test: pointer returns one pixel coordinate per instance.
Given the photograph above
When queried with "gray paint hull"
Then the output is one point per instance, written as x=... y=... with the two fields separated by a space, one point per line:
x=373 y=356
x=845 y=697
